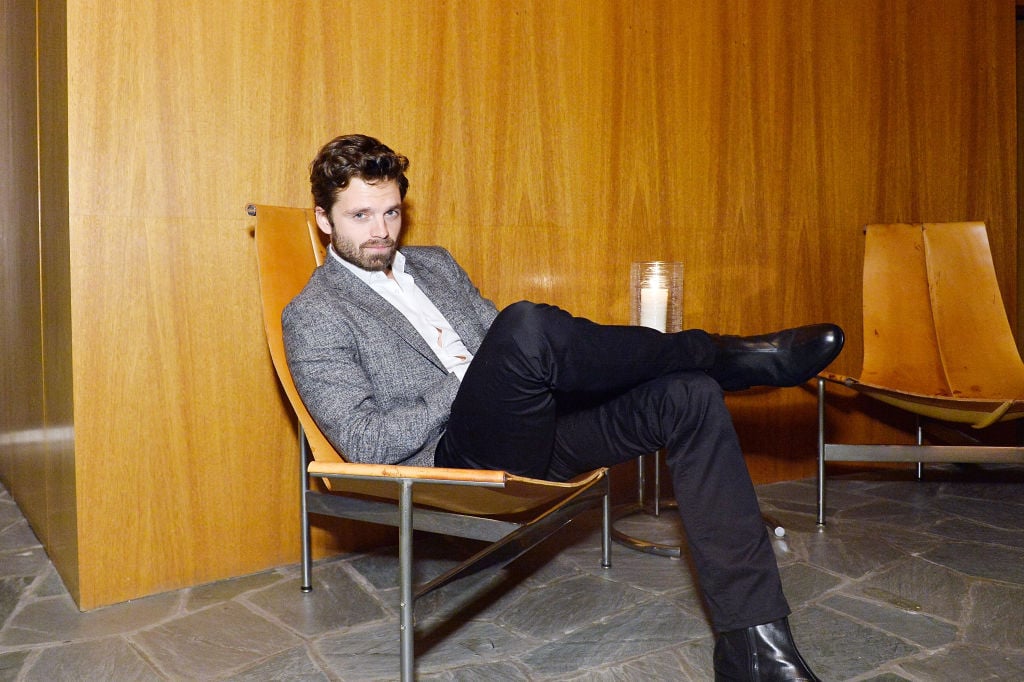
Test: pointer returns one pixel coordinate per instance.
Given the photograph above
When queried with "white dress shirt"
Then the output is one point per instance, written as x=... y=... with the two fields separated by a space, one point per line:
x=403 y=293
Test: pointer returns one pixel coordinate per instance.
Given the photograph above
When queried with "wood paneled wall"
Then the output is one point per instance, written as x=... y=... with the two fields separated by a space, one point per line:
x=552 y=143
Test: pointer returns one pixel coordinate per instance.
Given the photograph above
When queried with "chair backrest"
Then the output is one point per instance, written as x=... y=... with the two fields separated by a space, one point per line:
x=289 y=246
x=288 y=249
x=934 y=321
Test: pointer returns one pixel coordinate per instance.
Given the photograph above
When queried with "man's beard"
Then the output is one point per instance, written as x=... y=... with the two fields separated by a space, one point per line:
x=373 y=262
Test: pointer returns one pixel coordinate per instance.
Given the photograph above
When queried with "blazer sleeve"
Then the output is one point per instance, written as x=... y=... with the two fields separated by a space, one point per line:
x=375 y=399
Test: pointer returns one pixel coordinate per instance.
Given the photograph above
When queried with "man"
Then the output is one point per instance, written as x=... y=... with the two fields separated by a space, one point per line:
x=400 y=360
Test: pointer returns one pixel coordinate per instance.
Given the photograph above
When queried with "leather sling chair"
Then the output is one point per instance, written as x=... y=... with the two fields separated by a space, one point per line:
x=511 y=513
x=937 y=344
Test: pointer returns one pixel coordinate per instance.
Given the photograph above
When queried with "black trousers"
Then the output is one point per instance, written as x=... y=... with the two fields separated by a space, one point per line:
x=550 y=396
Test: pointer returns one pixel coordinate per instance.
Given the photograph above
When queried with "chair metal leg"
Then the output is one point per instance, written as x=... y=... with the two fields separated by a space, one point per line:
x=307 y=547
x=406 y=627
x=606 y=525
x=656 y=502
x=821 y=452
x=919 y=469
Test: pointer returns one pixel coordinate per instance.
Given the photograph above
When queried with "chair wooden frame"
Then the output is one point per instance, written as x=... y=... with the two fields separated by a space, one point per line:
x=511 y=513
x=937 y=343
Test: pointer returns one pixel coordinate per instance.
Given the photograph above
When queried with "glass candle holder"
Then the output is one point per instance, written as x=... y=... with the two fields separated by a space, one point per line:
x=656 y=295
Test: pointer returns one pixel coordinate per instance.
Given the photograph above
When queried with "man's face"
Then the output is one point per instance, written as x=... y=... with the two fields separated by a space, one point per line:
x=364 y=223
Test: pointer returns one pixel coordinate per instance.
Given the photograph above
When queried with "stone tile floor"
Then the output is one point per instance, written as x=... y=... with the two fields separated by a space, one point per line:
x=909 y=581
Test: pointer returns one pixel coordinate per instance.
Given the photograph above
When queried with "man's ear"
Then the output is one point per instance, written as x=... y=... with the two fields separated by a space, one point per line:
x=322 y=221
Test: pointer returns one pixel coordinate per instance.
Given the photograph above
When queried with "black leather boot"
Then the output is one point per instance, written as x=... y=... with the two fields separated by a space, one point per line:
x=785 y=358
x=763 y=653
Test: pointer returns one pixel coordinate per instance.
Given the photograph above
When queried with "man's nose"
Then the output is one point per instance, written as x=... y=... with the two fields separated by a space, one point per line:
x=379 y=228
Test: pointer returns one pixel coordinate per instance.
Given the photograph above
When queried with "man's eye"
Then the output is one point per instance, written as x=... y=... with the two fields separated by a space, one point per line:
x=393 y=213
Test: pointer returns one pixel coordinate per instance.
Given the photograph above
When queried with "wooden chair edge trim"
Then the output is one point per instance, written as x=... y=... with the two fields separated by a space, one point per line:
x=319 y=445
x=358 y=469
x=442 y=475
x=866 y=387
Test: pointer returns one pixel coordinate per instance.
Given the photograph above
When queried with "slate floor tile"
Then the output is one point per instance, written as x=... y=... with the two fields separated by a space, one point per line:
x=214 y=641
x=551 y=613
x=966 y=662
x=919 y=585
x=58 y=619
x=995 y=616
x=839 y=648
x=336 y=601
x=494 y=671
x=628 y=635
x=995 y=562
x=853 y=551
x=972 y=531
x=293 y=665
x=104 y=659
x=913 y=626
x=12 y=663
x=373 y=653
x=803 y=582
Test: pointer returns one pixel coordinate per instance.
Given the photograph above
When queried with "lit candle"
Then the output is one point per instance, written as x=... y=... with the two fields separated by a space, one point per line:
x=654 y=308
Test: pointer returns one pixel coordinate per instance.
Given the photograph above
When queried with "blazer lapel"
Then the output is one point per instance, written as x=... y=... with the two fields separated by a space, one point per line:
x=438 y=289
x=358 y=293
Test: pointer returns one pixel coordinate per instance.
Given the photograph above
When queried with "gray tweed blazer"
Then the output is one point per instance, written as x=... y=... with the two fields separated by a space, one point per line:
x=369 y=380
